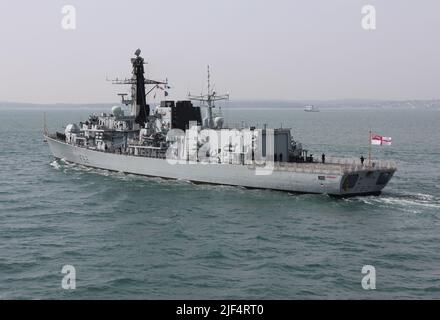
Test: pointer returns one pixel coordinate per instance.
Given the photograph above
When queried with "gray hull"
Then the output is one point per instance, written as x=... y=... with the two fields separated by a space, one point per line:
x=250 y=176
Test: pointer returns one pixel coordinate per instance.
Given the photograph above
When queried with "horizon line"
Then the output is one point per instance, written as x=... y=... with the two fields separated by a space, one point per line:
x=233 y=100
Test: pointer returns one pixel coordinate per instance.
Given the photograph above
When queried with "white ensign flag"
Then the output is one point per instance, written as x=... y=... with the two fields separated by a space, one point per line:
x=377 y=140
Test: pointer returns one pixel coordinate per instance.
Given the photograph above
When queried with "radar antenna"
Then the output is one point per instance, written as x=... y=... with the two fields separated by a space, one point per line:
x=124 y=100
x=209 y=99
x=138 y=82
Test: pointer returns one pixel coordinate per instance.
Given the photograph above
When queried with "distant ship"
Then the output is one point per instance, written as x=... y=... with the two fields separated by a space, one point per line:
x=173 y=141
x=311 y=109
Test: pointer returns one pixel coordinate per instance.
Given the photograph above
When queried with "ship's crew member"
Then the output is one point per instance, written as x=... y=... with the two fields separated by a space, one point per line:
x=362 y=160
x=323 y=158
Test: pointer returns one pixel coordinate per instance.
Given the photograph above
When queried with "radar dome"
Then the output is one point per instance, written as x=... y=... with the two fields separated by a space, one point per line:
x=71 y=128
x=218 y=122
x=117 y=111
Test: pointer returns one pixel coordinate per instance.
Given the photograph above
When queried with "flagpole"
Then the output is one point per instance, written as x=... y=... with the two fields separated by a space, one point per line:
x=369 y=150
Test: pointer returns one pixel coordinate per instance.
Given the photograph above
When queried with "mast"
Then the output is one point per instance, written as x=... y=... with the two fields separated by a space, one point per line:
x=369 y=150
x=138 y=86
x=209 y=81
x=210 y=120
x=45 y=131
x=138 y=102
x=209 y=99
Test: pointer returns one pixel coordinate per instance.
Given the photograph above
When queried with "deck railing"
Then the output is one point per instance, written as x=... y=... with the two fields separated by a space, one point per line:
x=332 y=165
x=356 y=163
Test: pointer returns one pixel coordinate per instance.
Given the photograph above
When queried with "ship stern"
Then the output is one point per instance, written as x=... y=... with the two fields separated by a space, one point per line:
x=365 y=182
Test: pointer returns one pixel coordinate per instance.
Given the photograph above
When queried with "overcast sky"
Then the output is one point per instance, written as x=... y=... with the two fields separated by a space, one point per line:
x=277 y=49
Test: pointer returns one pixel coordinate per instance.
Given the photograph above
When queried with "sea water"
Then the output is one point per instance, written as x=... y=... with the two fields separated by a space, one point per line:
x=134 y=237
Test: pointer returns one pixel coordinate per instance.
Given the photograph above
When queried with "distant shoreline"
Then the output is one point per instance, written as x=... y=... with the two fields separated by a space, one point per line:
x=252 y=104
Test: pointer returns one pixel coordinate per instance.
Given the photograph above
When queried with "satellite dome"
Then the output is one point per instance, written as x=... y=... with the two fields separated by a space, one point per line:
x=72 y=127
x=117 y=111
x=218 y=122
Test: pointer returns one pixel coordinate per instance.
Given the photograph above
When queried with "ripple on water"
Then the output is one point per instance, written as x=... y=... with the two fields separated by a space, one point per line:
x=132 y=236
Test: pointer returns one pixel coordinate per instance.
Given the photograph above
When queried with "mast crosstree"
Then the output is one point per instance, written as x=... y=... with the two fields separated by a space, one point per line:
x=210 y=98
x=138 y=83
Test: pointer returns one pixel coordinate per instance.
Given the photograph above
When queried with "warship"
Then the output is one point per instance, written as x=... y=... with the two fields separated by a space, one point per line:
x=173 y=141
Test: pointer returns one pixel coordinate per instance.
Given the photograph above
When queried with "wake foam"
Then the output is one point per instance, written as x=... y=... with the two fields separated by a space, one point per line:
x=404 y=200
x=55 y=164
